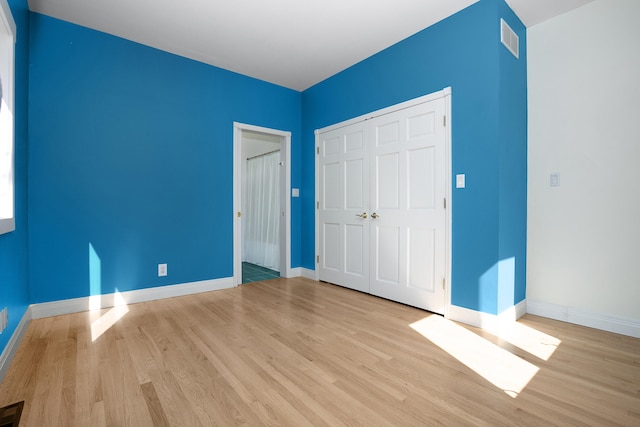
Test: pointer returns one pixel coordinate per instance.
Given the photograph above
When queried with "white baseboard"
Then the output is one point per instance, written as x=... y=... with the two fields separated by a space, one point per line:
x=294 y=272
x=584 y=318
x=97 y=302
x=490 y=322
x=309 y=274
x=302 y=272
x=13 y=344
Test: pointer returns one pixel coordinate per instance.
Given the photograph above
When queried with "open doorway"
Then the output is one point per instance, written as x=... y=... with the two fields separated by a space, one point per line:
x=261 y=202
x=260 y=206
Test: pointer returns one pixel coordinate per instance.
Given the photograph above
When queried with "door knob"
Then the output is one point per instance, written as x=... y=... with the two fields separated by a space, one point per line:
x=375 y=215
x=364 y=215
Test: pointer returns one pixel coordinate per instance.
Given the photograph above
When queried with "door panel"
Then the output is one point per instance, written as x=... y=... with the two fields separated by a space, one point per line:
x=354 y=257
x=354 y=199
x=331 y=174
x=345 y=169
x=417 y=251
x=421 y=178
x=421 y=124
x=387 y=255
x=420 y=268
x=331 y=146
x=387 y=133
x=355 y=141
x=331 y=253
x=388 y=170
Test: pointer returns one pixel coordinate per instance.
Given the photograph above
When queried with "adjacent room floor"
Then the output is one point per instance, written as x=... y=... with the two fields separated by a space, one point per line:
x=256 y=273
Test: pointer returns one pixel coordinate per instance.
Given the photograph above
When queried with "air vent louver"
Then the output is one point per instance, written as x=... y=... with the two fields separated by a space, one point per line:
x=509 y=38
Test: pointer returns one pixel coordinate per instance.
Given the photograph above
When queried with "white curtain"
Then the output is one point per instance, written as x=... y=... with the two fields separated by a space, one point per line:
x=261 y=212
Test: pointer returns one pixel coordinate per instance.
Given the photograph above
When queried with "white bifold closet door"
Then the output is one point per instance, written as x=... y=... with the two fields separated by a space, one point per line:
x=382 y=213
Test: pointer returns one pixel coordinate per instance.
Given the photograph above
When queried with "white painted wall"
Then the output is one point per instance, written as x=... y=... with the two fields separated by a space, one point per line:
x=584 y=123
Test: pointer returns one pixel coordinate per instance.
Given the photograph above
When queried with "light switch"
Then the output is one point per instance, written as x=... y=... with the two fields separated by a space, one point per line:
x=460 y=180
x=554 y=180
x=295 y=192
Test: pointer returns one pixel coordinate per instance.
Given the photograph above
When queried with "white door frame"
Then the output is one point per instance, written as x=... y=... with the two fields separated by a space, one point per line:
x=285 y=201
x=446 y=94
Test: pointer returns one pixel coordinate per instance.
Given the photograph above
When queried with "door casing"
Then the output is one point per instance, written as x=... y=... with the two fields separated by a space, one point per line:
x=285 y=200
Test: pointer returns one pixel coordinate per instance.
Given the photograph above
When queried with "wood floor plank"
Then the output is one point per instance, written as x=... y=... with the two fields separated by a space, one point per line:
x=85 y=375
x=154 y=405
x=298 y=352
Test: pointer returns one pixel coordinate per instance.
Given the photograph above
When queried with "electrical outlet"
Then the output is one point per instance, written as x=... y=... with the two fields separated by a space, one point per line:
x=162 y=270
x=4 y=319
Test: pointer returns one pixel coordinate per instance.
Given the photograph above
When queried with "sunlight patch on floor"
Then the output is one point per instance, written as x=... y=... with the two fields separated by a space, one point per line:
x=110 y=318
x=528 y=339
x=503 y=369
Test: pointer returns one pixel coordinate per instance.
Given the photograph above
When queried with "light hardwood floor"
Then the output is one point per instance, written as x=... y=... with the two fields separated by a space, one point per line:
x=296 y=352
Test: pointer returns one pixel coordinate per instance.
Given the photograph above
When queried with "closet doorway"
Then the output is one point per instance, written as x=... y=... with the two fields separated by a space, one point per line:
x=261 y=203
x=382 y=212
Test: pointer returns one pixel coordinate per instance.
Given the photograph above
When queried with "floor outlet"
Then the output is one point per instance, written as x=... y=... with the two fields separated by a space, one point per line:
x=162 y=270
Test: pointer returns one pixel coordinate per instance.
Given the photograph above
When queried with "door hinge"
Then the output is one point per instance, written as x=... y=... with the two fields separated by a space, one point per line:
x=444 y=120
x=317 y=150
x=443 y=282
x=318 y=259
x=317 y=205
x=239 y=214
x=445 y=203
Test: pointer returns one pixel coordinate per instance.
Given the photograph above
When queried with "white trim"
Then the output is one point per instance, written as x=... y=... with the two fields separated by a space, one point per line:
x=316 y=154
x=301 y=272
x=444 y=93
x=391 y=109
x=13 y=344
x=295 y=272
x=449 y=196
x=237 y=205
x=285 y=196
x=520 y=309
x=486 y=321
x=285 y=148
x=309 y=274
x=77 y=305
x=584 y=318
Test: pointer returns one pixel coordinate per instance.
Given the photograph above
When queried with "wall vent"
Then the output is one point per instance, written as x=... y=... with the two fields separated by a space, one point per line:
x=509 y=38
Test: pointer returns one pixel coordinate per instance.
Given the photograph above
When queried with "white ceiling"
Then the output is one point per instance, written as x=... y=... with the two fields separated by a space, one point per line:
x=292 y=43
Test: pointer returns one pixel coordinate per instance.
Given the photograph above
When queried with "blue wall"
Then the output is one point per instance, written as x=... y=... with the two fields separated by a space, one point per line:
x=463 y=52
x=14 y=285
x=512 y=210
x=131 y=162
